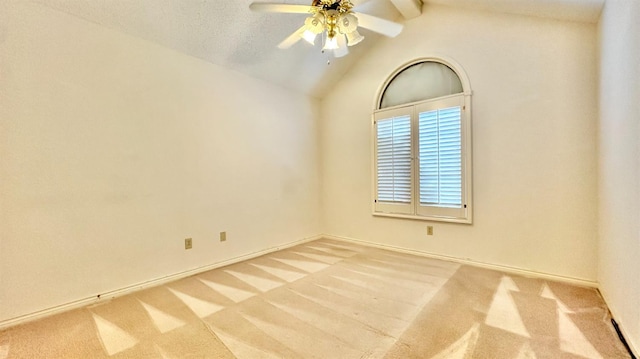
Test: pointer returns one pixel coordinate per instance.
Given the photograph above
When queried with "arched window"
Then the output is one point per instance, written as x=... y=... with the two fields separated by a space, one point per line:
x=422 y=143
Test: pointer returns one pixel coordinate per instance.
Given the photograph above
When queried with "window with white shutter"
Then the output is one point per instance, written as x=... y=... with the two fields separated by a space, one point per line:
x=394 y=172
x=422 y=150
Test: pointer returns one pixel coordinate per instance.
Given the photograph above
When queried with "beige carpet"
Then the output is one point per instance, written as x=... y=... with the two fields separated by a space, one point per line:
x=329 y=299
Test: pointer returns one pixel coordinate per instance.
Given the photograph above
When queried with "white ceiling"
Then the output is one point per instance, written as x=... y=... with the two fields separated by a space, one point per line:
x=227 y=33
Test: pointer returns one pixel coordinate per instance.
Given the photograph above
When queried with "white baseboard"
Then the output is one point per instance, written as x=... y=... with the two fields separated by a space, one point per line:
x=143 y=285
x=502 y=268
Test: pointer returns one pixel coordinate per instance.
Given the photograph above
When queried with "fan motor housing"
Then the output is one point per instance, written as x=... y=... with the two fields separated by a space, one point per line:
x=338 y=5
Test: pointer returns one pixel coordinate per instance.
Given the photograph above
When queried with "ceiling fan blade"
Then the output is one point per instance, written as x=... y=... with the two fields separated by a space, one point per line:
x=357 y=3
x=292 y=39
x=283 y=8
x=379 y=25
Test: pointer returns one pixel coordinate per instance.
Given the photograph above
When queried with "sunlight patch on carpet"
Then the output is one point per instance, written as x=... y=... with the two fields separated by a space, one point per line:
x=113 y=338
x=262 y=284
x=283 y=274
x=503 y=313
x=199 y=307
x=241 y=349
x=320 y=257
x=345 y=247
x=235 y=294
x=463 y=347
x=331 y=251
x=572 y=340
x=164 y=322
x=548 y=293
x=306 y=266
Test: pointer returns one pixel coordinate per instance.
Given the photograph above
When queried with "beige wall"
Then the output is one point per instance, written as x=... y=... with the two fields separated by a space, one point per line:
x=619 y=164
x=534 y=142
x=113 y=150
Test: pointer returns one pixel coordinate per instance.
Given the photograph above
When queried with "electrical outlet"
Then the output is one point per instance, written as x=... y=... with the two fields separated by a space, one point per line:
x=223 y=236
x=430 y=230
x=188 y=243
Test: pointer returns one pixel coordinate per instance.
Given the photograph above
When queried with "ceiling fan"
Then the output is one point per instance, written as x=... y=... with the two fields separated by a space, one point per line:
x=334 y=19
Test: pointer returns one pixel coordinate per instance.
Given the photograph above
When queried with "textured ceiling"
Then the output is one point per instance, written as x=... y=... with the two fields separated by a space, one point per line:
x=227 y=33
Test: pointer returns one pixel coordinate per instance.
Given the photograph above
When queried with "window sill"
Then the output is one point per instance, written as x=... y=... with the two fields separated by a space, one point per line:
x=424 y=218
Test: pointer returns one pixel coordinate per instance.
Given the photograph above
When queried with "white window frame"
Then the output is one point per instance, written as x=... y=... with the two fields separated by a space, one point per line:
x=415 y=210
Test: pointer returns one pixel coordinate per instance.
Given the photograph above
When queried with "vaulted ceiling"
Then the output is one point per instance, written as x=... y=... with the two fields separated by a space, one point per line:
x=227 y=33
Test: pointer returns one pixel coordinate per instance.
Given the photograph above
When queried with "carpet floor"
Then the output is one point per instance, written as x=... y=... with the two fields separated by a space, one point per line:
x=331 y=299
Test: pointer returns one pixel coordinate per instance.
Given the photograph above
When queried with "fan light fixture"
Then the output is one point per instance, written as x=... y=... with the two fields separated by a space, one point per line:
x=335 y=21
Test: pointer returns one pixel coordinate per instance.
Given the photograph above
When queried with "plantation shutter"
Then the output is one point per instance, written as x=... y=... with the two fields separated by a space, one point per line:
x=440 y=174
x=393 y=163
x=440 y=157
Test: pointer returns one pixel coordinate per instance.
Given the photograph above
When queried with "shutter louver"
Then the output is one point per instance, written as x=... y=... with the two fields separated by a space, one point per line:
x=440 y=155
x=393 y=144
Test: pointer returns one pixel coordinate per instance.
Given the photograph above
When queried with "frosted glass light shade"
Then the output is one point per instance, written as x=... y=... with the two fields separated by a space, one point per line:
x=331 y=44
x=342 y=49
x=309 y=36
x=354 y=38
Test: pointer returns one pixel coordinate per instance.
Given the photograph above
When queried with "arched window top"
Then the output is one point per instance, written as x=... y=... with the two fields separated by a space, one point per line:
x=421 y=80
